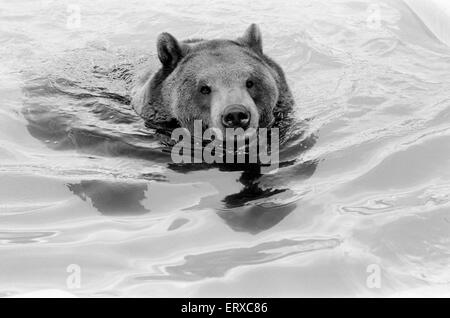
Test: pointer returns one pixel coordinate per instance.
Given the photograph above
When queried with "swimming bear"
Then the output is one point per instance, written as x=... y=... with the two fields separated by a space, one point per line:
x=223 y=83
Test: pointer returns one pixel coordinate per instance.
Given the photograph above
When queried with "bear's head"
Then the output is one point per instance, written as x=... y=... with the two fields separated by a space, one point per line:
x=223 y=83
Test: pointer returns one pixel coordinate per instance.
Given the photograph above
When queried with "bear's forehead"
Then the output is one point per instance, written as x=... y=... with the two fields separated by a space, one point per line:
x=224 y=60
x=225 y=55
x=224 y=51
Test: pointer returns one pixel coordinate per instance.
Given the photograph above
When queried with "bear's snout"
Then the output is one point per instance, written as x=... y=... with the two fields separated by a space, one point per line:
x=236 y=116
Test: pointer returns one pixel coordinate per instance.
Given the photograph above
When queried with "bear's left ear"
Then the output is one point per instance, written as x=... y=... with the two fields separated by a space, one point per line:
x=170 y=52
x=252 y=38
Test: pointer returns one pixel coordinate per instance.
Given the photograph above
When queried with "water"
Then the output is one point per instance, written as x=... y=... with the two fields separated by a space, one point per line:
x=365 y=183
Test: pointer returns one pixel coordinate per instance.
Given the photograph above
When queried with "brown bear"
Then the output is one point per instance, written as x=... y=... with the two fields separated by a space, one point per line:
x=224 y=83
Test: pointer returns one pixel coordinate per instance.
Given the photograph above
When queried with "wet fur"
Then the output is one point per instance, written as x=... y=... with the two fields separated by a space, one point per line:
x=159 y=92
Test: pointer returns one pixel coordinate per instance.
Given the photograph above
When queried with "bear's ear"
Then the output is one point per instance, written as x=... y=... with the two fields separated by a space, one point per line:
x=252 y=38
x=169 y=50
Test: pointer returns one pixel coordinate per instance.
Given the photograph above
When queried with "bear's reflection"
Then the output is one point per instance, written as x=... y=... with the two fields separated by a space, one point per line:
x=239 y=210
x=112 y=198
x=244 y=216
x=249 y=210
x=255 y=219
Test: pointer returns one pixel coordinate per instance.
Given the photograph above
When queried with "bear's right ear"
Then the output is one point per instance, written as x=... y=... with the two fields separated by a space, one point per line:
x=252 y=38
x=169 y=50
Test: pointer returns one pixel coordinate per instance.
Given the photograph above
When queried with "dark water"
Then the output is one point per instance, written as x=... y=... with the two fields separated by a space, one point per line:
x=364 y=176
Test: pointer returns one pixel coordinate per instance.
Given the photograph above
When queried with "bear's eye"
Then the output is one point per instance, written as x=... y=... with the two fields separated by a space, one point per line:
x=249 y=84
x=205 y=90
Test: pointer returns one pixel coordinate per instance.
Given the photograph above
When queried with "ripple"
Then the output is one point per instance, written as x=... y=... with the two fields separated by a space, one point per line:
x=416 y=201
x=28 y=237
x=23 y=208
x=218 y=263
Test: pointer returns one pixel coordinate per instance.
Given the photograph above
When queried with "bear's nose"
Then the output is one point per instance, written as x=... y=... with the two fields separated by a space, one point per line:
x=236 y=116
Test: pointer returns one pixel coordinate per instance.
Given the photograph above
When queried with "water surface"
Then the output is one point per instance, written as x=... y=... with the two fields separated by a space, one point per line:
x=365 y=179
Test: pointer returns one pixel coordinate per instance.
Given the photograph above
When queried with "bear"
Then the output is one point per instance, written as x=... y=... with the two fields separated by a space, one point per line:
x=224 y=83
